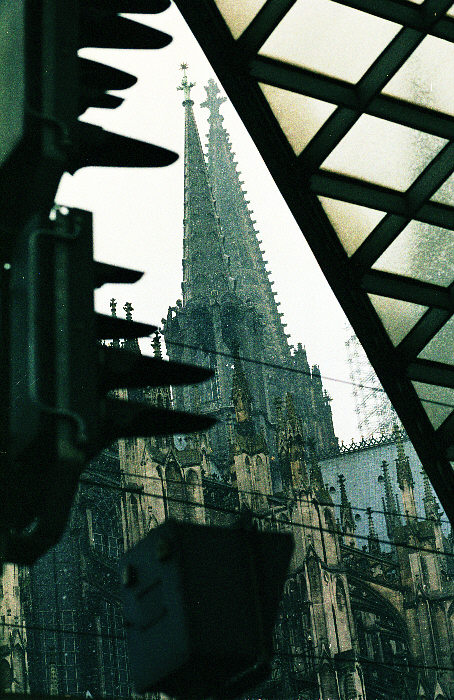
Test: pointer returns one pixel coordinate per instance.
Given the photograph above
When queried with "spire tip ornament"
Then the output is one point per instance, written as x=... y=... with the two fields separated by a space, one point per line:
x=185 y=85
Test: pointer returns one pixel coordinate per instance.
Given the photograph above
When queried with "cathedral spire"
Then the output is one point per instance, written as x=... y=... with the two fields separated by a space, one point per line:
x=131 y=344
x=374 y=544
x=390 y=503
x=240 y=237
x=430 y=504
x=205 y=264
x=316 y=478
x=404 y=476
x=241 y=395
x=347 y=519
x=253 y=284
x=113 y=312
x=156 y=343
x=295 y=440
x=186 y=85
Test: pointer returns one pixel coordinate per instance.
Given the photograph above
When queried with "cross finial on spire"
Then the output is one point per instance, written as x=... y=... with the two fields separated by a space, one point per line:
x=157 y=345
x=185 y=84
x=128 y=309
x=213 y=102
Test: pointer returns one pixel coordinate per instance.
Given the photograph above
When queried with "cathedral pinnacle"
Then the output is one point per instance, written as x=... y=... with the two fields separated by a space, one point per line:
x=113 y=312
x=347 y=519
x=186 y=85
x=404 y=475
x=316 y=477
x=374 y=544
x=390 y=503
x=430 y=503
x=128 y=309
x=131 y=344
x=241 y=394
x=157 y=346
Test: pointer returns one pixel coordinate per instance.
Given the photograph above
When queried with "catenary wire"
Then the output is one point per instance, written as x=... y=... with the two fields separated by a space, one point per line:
x=230 y=511
x=374 y=662
x=294 y=370
x=310 y=655
x=417 y=518
x=60 y=630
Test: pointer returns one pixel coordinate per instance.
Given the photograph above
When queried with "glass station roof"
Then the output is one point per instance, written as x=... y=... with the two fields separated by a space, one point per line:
x=351 y=104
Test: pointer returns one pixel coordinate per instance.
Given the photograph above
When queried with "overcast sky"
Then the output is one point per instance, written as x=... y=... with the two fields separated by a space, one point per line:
x=138 y=213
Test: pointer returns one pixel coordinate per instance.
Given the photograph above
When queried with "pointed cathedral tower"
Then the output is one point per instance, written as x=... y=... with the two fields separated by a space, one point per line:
x=228 y=307
x=241 y=244
x=211 y=325
x=253 y=284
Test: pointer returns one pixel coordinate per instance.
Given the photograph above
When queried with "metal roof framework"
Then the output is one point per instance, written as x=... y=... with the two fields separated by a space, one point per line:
x=361 y=145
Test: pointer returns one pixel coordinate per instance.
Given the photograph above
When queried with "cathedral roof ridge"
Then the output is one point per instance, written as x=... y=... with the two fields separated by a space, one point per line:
x=363 y=444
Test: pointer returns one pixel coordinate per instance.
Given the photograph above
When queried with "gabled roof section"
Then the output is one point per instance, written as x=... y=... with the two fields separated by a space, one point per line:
x=351 y=104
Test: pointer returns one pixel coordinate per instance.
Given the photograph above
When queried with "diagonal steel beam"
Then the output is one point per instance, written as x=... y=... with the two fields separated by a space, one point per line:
x=407 y=15
x=428 y=182
x=342 y=93
x=431 y=373
x=366 y=194
x=370 y=85
x=263 y=24
x=445 y=436
x=301 y=80
x=417 y=339
x=388 y=284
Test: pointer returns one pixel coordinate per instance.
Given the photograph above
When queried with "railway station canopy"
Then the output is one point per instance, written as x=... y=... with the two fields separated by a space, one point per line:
x=351 y=105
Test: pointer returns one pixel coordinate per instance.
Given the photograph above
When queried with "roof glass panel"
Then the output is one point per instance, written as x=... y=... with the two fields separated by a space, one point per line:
x=420 y=79
x=299 y=116
x=445 y=195
x=329 y=38
x=398 y=317
x=423 y=252
x=238 y=15
x=441 y=347
x=352 y=222
x=383 y=152
x=442 y=398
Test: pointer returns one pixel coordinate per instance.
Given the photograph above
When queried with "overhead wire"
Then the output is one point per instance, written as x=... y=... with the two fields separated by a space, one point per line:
x=59 y=630
x=276 y=653
x=376 y=662
x=293 y=370
x=417 y=518
x=258 y=516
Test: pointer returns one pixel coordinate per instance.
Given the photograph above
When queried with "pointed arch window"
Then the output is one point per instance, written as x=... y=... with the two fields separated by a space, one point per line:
x=214 y=380
x=313 y=571
x=135 y=516
x=341 y=598
x=329 y=520
x=193 y=495
x=107 y=536
x=176 y=492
